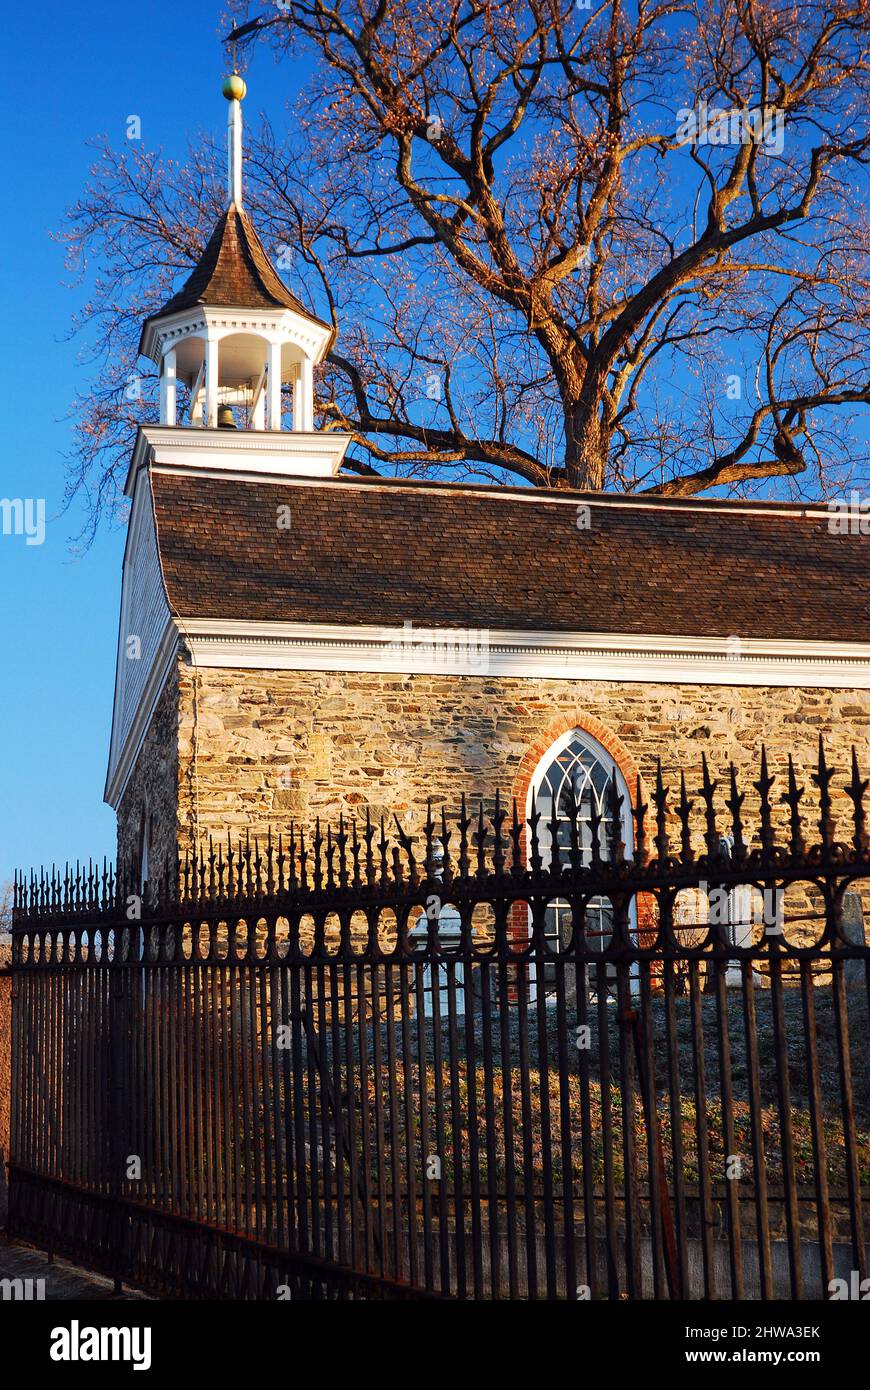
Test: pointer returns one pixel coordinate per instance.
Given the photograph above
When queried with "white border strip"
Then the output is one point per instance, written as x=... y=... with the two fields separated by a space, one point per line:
x=558 y=497
x=573 y=656
x=122 y=762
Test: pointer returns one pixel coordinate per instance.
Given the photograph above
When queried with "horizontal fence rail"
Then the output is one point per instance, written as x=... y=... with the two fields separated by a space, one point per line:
x=511 y=1065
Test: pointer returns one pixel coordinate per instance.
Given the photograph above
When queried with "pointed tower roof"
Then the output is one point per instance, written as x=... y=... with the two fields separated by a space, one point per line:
x=234 y=271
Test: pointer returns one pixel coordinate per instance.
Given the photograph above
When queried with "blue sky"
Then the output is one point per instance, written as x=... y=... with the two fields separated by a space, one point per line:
x=74 y=72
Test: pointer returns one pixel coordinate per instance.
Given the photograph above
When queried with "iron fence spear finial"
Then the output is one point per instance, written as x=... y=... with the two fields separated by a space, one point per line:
x=446 y=836
x=708 y=792
x=822 y=779
x=684 y=811
x=498 y=818
x=792 y=798
x=855 y=790
x=734 y=803
x=660 y=797
x=639 y=814
x=535 y=860
x=763 y=786
x=615 y=800
x=482 y=833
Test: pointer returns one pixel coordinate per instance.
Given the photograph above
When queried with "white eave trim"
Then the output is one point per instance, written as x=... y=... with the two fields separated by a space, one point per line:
x=298 y=327
x=123 y=760
x=423 y=649
x=280 y=455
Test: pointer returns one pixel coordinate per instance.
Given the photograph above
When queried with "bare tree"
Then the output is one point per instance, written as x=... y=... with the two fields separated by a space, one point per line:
x=614 y=245
x=6 y=895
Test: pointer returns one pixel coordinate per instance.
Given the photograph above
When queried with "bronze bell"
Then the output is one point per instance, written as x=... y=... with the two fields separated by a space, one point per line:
x=226 y=420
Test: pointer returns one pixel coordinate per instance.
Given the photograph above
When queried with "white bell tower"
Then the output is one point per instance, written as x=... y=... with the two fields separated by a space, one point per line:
x=236 y=337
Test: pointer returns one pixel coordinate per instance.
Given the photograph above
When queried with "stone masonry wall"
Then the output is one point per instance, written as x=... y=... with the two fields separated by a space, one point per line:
x=275 y=746
x=153 y=785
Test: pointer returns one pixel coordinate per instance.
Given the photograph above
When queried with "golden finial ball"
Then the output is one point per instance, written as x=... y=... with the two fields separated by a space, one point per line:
x=234 y=87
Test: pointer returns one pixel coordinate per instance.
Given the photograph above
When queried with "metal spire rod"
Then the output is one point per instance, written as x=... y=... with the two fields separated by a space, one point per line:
x=234 y=90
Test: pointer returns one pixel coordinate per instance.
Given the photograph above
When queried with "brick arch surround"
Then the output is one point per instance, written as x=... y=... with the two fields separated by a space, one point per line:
x=587 y=724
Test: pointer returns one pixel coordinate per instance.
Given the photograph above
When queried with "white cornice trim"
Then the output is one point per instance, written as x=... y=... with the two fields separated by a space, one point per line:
x=290 y=325
x=573 y=656
x=284 y=454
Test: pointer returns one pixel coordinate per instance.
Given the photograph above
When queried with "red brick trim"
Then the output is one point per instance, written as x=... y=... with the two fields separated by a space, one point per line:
x=587 y=724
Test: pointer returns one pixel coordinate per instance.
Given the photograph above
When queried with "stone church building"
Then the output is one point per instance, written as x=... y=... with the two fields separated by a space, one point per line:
x=296 y=641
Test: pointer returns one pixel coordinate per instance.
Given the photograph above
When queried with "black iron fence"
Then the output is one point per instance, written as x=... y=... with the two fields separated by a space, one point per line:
x=490 y=1063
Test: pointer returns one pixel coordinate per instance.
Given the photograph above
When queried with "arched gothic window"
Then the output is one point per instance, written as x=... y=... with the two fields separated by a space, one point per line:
x=576 y=761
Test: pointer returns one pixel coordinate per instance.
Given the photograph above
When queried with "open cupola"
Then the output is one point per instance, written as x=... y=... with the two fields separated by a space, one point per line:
x=235 y=335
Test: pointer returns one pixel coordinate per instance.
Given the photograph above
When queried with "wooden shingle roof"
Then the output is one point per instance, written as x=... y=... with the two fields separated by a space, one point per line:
x=365 y=551
x=235 y=271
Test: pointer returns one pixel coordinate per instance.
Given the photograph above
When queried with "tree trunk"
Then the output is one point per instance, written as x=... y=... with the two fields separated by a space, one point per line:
x=587 y=445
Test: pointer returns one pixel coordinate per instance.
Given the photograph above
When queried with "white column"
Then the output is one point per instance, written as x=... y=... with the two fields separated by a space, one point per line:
x=258 y=414
x=297 y=397
x=234 y=152
x=168 y=388
x=306 y=394
x=197 y=392
x=273 y=386
x=211 y=383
